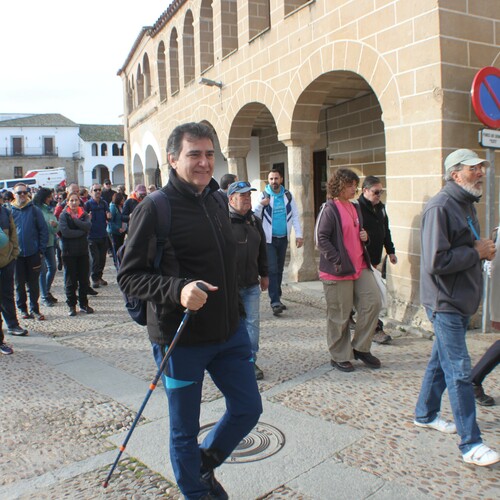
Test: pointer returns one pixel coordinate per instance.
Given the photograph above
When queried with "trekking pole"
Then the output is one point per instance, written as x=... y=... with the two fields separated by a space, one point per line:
x=187 y=314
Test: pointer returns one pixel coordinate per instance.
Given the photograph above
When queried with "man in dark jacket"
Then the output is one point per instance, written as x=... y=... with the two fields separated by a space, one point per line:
x=450 y=290
x=376 y=224
x=32 y=235
x=107 y=191
x=98 y=236
x=251 y=253
x=200 y=248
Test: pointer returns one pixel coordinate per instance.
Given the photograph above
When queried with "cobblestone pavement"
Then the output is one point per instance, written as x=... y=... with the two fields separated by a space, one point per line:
x=54 y=429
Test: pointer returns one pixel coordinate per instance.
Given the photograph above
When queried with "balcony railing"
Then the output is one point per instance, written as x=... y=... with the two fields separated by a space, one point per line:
x=28 y=152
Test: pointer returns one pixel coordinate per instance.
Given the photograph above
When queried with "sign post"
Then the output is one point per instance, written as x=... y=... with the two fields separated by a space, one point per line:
x=485 y=94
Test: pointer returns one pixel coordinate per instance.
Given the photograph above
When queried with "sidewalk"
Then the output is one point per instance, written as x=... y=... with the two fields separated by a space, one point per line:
x=74 y=385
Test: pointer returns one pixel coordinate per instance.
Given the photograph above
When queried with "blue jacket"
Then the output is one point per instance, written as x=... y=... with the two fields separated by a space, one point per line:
x=115 y=223
x=32 y=231
x=99 y=221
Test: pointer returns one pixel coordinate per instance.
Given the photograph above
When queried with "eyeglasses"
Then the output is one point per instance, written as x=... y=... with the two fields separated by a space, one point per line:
x=378 y=192
x=476 y=168
x=96 y=190
x=21 y=192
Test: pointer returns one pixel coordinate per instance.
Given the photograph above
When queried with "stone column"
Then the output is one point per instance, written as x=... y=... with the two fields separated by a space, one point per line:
x=237 y=161
x=302 y=265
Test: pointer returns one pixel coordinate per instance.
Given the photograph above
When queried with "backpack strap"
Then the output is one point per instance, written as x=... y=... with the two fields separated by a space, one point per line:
x=164 y=214
x=288 y=195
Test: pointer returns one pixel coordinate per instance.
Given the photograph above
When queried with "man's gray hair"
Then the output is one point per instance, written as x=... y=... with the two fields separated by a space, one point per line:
x=454 y=168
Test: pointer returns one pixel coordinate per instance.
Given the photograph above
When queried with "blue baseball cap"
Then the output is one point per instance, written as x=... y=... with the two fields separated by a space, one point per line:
x=240 y=187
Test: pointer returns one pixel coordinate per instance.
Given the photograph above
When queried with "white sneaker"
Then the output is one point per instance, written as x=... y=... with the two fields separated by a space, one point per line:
x=439 y=424
x=481 y=455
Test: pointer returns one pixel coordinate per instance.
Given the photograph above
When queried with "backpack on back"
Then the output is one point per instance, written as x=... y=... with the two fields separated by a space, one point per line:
x=135 y=307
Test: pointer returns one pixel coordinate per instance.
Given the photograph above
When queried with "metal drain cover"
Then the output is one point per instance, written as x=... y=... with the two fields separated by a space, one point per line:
x=262 y=442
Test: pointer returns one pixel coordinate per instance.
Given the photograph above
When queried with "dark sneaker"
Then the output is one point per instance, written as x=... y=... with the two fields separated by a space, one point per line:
x=17 y=331
x=482 y=398
x=381 y=337
x=367 y=358
x=259 y=374
x=283 y=306
x=103 y=282
x=48 y=303
x=216 y=490
x=5 y=349
x=277 y=310
x=52 y=298
x=72 y=311
x=38 y=315
x=91 y=291
x=27 y=315
x=343 y=366
x=86 y=309
x=95 y=284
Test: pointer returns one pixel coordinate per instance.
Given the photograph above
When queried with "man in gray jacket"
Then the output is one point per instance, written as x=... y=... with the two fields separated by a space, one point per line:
x=450 y=290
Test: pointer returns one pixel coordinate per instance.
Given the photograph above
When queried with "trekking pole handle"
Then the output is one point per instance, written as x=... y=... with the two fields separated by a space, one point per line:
x=203 y=288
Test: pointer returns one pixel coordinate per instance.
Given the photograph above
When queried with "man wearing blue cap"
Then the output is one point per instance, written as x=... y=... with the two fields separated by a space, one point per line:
x=251 y=256
x=451 y=286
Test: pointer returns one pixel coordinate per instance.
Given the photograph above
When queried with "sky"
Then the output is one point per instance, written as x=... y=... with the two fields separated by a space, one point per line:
x=61 y=56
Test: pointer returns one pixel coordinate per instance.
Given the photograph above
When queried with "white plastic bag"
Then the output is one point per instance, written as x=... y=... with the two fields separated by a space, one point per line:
x=381 y=286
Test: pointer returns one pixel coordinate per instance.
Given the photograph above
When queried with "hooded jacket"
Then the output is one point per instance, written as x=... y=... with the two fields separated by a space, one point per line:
x=200 y=246
x=265 y=213
x=32 y=232
x=10 y=251
x=450 y=269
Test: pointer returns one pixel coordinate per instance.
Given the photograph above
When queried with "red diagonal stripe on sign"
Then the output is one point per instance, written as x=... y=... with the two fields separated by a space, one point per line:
x=492 y=93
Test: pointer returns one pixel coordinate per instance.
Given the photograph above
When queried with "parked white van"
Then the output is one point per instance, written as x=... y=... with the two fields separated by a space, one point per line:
x=48 y=177
x=10 y=183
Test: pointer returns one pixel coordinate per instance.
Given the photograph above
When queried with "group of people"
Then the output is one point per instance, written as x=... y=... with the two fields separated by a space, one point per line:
x=215 y=238
x=44 y=231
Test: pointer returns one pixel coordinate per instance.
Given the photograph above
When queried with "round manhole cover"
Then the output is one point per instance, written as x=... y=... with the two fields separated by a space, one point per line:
x=262 y=442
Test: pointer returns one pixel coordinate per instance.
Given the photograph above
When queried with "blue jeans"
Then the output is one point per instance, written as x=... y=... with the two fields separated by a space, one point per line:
x=450 y=368
x=250 y=297
x=229 y=364
x=276 y=252
x=48 y=271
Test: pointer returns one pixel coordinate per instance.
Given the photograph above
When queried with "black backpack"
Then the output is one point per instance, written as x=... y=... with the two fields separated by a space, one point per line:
x=136 y=307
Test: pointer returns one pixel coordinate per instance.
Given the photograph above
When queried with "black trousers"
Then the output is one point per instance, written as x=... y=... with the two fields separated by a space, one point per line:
x=28 y=275
x=76 y=276
x=486 y=364
x=98 y=249
x=117 y=240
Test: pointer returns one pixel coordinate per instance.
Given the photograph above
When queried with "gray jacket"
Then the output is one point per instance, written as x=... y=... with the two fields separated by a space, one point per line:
x=450 y=269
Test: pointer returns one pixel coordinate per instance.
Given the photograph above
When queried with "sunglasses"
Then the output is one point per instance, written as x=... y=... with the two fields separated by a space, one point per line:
x=96 y=190
x=378 y=192
x=21 y=192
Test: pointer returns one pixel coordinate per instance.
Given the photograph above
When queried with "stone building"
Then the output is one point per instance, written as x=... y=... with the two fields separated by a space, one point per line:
x=88 y=153
x=381 y=86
